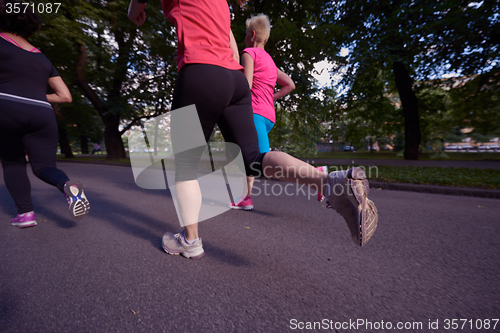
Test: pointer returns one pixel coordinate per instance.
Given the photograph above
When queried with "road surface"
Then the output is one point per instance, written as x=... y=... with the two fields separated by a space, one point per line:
x=287 y=265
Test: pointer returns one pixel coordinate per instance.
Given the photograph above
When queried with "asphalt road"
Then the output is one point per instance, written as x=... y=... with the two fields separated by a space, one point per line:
x=288 y=264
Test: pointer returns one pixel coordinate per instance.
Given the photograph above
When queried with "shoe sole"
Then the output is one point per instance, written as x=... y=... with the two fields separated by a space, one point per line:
x=26 y=224
x=371 y=220
x=365 y=209
x=176 y=253
x=241 y=208
x=80 y=206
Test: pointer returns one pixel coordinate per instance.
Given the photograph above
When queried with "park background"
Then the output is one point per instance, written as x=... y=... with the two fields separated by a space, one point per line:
x=433 y=259
x=414 y=77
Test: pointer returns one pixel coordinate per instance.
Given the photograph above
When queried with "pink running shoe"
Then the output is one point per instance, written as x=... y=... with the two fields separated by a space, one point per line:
x=245 y=204
x=323 y=169
x=24 y=220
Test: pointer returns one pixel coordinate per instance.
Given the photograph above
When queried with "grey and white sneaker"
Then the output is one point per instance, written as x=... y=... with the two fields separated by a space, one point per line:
x=79 y=206
x=347 y=193
x=176 y=244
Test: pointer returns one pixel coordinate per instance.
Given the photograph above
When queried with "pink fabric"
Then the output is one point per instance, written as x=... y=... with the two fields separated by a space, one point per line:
x=7 y=38
x=203 y=28
x=265 y=74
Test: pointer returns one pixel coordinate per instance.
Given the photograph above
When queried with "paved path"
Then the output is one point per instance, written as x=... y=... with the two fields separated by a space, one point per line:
x=288 y=262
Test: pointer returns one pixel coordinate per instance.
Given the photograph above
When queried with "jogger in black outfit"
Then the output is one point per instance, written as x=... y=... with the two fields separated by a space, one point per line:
x=27 y=120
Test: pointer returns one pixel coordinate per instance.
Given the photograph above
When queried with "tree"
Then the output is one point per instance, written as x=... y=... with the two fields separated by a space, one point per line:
x=297 y=42
x=414 y=41
x=369 y=108
x=477 y=103
x=435 y=114
x=125 y=73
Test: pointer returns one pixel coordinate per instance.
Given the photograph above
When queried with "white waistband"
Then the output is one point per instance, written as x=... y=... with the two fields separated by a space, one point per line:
x=24 y=99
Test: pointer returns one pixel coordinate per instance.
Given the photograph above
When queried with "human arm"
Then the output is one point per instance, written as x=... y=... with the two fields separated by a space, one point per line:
x=286 y=83
x=136 y=11
x=61 y=92
x=248 y=66
x=234 y=47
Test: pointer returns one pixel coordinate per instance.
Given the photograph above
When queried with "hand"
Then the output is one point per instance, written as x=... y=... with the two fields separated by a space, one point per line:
x=136 y=12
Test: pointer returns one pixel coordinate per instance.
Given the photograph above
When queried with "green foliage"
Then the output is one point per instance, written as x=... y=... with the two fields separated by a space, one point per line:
x=477 y=103
x=460 y=177
x=435 y=115
x=457 y=177
x=299 y=39
x=430 y=38
x=292 y=135
x=369 y=110
x=129 y=72
x=132 y=70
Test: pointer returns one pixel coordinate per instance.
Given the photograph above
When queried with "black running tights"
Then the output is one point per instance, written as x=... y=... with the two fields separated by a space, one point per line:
x=28 y=130
x=222 y=97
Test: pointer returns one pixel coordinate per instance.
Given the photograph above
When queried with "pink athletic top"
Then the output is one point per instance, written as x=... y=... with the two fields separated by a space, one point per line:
x=203 y=28
x=265 y=74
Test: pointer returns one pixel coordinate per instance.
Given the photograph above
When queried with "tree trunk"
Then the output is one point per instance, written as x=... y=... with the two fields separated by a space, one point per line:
x=64 y=142
x=84 y=144
x=409 y=101
x=63 y=136
x=112 y=136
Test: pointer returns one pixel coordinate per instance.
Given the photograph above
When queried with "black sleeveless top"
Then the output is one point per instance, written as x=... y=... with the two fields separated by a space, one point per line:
x=24 y=73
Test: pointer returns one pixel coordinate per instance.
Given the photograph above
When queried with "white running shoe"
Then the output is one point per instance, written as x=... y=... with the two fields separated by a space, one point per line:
x=79 y=206
x=347 y=193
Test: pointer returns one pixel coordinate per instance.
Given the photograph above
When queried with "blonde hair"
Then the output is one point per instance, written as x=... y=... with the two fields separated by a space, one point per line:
x=262 y=26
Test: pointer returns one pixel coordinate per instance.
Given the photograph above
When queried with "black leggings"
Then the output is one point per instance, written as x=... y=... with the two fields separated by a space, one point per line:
x=221 y=97
x=28 y=129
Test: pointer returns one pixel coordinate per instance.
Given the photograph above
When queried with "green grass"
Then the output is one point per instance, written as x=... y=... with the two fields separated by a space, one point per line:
x=457 y=177
x=94 y=159
x=388 y=155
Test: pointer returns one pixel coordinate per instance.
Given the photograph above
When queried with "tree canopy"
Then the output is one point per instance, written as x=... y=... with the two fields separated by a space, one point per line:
x=122 y=74
x=411 y=42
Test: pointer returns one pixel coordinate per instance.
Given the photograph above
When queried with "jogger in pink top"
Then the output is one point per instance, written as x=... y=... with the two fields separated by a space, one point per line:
x=210 y=78
x=262 y=75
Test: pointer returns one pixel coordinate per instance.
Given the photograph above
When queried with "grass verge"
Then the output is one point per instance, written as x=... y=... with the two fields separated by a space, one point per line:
x=388 y=155
x=457 y=177
x=101 y=159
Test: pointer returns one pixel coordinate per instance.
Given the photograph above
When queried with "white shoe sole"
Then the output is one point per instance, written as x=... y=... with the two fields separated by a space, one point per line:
x=79 y=206
x=366 y=212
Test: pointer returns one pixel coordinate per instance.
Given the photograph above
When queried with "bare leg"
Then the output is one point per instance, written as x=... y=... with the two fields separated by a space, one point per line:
x=277 y=165
x=250 y=181
x=282 y=166
x=189 y=201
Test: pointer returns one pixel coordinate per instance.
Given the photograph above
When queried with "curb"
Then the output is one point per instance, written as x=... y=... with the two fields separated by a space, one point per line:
x=436 y=189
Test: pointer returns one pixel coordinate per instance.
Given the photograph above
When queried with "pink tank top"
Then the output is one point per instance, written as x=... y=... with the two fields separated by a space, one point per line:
x=265 y=74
